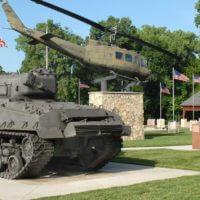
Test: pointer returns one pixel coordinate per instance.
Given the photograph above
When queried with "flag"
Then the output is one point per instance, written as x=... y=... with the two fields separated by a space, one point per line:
x=2 y=43
x=180 y=77
x=164 y=89
x=81 y=85
x=196 y=79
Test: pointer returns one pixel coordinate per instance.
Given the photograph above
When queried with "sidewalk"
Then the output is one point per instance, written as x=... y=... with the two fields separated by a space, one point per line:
x=181 y=148
x=112 y=175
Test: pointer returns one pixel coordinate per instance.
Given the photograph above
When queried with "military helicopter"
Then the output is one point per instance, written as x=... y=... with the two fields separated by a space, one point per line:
x=97 y=55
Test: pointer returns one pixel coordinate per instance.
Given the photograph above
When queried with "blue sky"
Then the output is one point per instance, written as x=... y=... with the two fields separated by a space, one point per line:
x=174 y=14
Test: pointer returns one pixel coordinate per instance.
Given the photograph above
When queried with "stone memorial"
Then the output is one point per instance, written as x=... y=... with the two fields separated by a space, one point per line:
x=160 y=123
x=173 y=127
x=184 y=123
x=129 y=105
x=151 y=123
x=196 y=136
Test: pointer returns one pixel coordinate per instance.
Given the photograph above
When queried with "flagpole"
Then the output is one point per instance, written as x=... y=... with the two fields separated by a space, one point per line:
x=47 y=50
x=193 y=94
x=79 y=91
x=173 y=91
x=160 y=102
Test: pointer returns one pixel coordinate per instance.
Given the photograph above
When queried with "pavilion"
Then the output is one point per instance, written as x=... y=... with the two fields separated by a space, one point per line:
x=187 y=105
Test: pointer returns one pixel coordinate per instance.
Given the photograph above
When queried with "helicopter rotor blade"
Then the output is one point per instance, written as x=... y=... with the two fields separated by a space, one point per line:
x=105 y=29
x=71 y=14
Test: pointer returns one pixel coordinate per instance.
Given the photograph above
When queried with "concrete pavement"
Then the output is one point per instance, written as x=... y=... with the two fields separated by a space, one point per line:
x=64 y=182
x=181 y=148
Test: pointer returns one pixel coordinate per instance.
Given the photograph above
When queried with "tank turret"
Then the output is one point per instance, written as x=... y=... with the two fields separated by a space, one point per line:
x=37 y=84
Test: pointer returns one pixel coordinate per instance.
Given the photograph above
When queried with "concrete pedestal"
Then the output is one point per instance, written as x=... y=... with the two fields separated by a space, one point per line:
x=128 y=105
x=184 y=123
x=151 y=123
x=160 y=123
x=173 y=127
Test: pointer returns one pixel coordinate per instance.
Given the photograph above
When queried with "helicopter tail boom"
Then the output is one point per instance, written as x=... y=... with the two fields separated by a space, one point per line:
x=12 y=18
x=53 y=41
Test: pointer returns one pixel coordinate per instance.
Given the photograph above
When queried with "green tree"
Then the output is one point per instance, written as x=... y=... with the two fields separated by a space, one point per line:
x=67 y=84
x=1 y=70
x=197 y=17
x=184 y=44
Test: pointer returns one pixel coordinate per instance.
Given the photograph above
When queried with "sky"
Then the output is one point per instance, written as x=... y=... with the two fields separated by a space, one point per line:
x=174 y=14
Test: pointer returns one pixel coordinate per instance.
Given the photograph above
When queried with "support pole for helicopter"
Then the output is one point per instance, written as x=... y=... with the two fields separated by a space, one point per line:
x=79 y=92
x=103 y=81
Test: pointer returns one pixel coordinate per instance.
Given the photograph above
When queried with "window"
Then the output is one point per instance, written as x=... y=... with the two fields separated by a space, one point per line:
x=119 y=55
x=3 y=90
x=136 y=59
x=143 y=62
x=129 y=58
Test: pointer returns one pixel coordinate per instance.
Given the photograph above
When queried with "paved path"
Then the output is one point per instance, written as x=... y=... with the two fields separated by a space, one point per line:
x=181 y=148
x=61 y=183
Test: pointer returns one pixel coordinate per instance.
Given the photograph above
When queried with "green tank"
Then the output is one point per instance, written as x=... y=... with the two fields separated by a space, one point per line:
x=34 y=128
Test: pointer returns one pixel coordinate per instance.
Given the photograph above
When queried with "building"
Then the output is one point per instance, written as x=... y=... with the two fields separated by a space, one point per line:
x=187 y=106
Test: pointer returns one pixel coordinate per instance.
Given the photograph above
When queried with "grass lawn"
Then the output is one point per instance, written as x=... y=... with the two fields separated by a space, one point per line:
x=162 y=158
x=161 y=138
x=171 y=189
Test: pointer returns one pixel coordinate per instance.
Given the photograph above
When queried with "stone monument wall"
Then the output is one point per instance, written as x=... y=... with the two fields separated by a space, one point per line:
x=128 y=105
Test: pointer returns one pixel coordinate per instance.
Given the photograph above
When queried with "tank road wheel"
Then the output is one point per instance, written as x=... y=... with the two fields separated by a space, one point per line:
x=93 y=154
x=99 y=151
x=27 y=148
x=24 y=155
x=14 y=164
x=87 y=157
x=2 y=165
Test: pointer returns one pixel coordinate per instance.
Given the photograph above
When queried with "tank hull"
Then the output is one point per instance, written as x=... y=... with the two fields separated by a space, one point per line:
x=87 y=138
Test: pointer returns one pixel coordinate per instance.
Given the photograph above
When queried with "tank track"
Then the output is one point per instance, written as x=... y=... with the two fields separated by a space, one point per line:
x=42 y=153
x=111 y=148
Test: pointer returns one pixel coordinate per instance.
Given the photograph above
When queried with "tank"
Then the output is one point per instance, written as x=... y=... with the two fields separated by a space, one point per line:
x=34 y=128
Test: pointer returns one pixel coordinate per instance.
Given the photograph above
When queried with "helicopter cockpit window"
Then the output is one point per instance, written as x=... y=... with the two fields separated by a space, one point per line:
x=143 y=62
x=129 y=58
x=136 y=60
x=119 y=55
x=3 y=90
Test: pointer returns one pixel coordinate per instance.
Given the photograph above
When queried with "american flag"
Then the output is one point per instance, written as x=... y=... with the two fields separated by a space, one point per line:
x=164 y=89
x=2 y=43
x=81 y=85
x=180 y=77
x=196 y=79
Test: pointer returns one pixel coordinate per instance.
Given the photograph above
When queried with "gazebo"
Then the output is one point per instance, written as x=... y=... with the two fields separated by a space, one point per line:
x=187 y=105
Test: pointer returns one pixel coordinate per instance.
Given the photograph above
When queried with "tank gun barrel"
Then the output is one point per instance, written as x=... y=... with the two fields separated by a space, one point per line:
x=50 y=40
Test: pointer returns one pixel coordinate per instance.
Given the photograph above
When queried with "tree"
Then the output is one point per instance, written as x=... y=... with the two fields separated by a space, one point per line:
x=67 y=84
x=1 y=70
x=184 y=44
x=197 y=17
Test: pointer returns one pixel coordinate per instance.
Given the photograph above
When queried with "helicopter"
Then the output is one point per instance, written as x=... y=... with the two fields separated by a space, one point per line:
x=97 y=55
